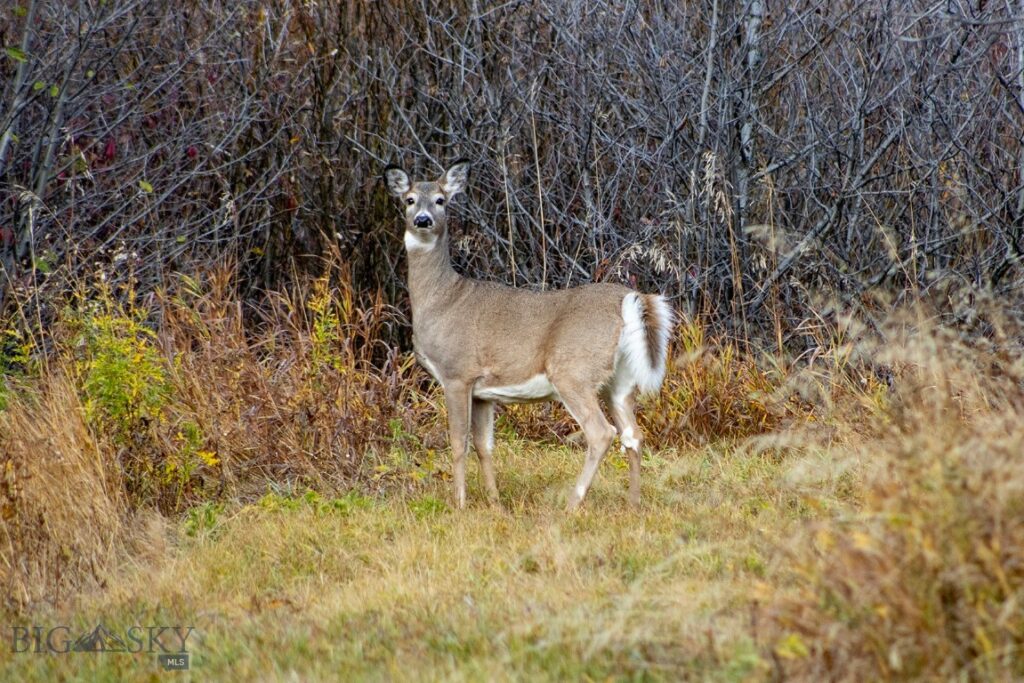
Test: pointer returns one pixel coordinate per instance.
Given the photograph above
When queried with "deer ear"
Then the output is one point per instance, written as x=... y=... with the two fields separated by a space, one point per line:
x=397 y=180
x=454 y=179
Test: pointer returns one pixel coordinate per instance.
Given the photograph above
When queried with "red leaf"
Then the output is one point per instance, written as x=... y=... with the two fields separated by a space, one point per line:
x=110 y=150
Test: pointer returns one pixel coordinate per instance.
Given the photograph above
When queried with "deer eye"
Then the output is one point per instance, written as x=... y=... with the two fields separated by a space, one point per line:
x=410 y=201
x=439 y=201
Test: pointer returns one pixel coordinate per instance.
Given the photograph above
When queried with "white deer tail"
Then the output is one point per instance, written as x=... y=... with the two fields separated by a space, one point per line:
x=643 y=345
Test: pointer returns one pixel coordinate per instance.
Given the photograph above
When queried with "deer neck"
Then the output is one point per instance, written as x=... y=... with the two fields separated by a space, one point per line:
x=431 y=275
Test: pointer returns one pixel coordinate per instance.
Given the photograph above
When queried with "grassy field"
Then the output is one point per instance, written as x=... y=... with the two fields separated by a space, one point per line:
x=299 y=587
x=285 y=493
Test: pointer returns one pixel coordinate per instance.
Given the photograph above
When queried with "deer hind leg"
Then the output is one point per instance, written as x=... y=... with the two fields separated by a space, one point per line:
x=585 y=407
x=458 y=399
x=622 y=407
x=483 y=442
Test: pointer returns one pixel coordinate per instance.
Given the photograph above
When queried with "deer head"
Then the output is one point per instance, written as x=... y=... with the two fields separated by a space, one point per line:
x=425 y=202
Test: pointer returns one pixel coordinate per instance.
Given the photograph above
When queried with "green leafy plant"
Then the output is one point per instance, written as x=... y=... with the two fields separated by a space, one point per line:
x=179 y=469
x=427 y=506
x=313 y=500
x=123 y=375
x=325 y=330
x=202 y=517
x=123 y=382
x=15 y=358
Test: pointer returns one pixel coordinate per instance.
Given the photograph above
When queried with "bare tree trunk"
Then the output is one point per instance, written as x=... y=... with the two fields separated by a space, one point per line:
x=754 y=16
x=9 y=124
x=1020 y=102
x=11 y=119
x=709 y=64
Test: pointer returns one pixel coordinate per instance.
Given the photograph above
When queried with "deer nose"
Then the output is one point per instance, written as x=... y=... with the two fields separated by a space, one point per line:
x=423 y=221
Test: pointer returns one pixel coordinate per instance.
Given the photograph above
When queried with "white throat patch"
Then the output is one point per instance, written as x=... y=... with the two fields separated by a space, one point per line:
x=416 y=242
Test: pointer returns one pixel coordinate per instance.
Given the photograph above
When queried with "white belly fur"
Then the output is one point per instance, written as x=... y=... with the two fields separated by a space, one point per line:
x=537 y=388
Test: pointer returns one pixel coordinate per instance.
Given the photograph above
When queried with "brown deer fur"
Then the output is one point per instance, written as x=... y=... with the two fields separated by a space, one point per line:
x=488 y=343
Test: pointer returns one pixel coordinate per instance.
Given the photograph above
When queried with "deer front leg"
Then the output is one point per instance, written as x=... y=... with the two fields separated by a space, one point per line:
x=483 y=442
x=458 y=399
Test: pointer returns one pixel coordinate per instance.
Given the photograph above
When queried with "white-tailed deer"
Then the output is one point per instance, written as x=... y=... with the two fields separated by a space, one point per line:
x=488 y=343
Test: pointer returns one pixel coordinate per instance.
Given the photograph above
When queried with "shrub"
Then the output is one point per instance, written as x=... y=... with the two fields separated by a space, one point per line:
x=122 y=374
x=123 y=381
x=927 y=578
x=306 y=394
x=711 y=391
x=17 y=358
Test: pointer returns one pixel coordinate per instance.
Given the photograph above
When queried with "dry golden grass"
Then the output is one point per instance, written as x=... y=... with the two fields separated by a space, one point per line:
x=287 y=495
x=401 y=586
x=60 y=498
x=924 y=579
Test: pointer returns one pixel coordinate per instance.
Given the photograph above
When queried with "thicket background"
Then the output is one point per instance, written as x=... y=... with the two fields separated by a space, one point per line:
x=760 y=162
x=202 y=296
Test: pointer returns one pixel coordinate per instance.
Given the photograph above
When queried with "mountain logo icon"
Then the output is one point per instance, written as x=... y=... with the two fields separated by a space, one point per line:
x=99 y=640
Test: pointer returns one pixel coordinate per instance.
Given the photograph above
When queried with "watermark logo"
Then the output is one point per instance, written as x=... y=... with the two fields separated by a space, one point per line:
x=168 y=643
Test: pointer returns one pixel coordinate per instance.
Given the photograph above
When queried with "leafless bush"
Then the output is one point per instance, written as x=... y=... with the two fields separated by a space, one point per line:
x=759 y=162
